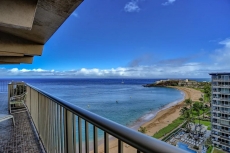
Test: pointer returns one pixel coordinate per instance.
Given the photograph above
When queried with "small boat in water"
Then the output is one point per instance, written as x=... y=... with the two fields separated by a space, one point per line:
x=122 y=81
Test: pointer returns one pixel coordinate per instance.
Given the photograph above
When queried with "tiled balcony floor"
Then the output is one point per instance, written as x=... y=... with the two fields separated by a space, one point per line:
x=18 y=139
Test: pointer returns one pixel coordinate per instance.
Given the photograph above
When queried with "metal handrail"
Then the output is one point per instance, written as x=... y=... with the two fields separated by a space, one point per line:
x=136 y=139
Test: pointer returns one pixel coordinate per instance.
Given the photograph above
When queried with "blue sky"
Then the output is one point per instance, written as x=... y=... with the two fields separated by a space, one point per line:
x=136 y=38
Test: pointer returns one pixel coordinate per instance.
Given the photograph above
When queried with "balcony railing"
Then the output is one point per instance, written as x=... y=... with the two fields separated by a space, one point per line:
x=219 y=98
x=216 y=110
x=215 y=116
x=224 y=112
x=55 y=122
x=215 y=122
x=220 y=104
x=221 y=80
x=225 y=92
x=226 y=118
x=225 y=99
x=221 y=92
x=226 y=131
x=225 y=143
x=220 y=86
x=224 y=137
x=225 y=124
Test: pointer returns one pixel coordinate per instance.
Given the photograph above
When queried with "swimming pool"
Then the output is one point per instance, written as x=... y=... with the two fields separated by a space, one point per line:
x=185 y=147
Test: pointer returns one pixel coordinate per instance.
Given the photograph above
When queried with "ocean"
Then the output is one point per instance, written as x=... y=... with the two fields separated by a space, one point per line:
x=127 y=103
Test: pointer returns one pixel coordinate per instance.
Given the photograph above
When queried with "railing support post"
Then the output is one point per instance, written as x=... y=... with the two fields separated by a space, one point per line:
x=70 y=127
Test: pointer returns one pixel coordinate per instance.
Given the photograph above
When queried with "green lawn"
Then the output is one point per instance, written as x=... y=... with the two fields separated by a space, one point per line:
x=169 y=128
x=217 y=151
x=202 y=90
x=206 y=123
x=206 y=98
x=194 y=113
x=209 y=149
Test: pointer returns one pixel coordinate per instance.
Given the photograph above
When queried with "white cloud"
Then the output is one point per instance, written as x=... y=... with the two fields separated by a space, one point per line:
x=221 y=56
x=75 y=14
x=14 y=70
x=168 y=2
x=132 y=6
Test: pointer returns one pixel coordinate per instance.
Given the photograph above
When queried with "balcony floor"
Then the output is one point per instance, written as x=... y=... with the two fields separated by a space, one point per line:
x=21 y=138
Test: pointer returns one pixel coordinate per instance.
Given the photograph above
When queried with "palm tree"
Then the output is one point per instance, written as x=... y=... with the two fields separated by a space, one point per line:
x=197 y=108
x=202 y=107
x=188 y=102
x=189 y=119
x=142 y=129
x=183 y=111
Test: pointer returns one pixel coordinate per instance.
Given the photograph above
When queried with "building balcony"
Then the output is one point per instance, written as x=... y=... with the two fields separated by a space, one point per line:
x=224 y=124
x=216 y=117
x=225 y=131
x=61 y=127
x=224 y=99
x=215 y=92
x=215 y=98
x=215 y=141
x=221 y=92
x=221 y=86
x=224 y=112
x=221 y=99
x=224 y=137
x=220 y=104
x=224 y=92
x=220 y=130
x=225 y=143
x=225 y=118
x=215 y=135
x=220 y=80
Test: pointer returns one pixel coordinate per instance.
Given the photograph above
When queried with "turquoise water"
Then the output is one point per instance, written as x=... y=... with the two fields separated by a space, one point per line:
x=122 y=103
x=185 y=147
x=129 y=104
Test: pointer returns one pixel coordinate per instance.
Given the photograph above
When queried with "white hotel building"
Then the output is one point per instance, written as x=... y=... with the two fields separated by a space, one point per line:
x=220 y=111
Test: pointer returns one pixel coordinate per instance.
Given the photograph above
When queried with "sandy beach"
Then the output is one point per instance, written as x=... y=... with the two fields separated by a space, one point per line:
x=161 y=120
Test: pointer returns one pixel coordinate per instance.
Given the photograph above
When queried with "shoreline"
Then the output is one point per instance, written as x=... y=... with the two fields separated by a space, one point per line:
x=158 y=119
x=173 y=110
x=151 y=115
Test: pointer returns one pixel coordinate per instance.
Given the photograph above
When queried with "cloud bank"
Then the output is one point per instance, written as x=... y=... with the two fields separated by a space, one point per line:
x=189 y=69
x=132 y=6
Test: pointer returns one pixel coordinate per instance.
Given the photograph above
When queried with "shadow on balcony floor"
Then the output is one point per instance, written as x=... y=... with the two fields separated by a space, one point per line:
x=18 y=139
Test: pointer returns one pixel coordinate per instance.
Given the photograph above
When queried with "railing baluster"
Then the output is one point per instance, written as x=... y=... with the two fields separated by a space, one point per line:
x=95 y=140
x=52 y=126
x=58 y=128
x=106 y=142
x=86 y=137
x=120 y=146
x=65 y=131
x=62 y=129
x=79 y=135
x=49 y=126
x=71 y=131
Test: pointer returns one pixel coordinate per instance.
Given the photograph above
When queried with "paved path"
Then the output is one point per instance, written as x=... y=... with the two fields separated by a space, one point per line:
x=18 y=139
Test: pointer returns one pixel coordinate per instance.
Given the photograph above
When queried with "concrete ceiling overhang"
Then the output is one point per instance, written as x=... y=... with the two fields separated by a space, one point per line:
x=26 y=25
